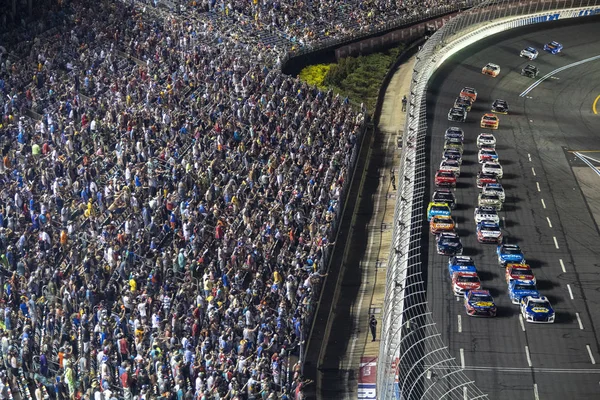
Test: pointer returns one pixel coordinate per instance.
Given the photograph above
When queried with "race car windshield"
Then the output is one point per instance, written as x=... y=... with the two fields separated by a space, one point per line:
x=439 y=209
x=492 y=228
x=467 y=279
x=512 y=251
x=441 y=220
x=482 y=297
x=489 y=118
x=520 y=271
x=540 y=304
x=523 y=287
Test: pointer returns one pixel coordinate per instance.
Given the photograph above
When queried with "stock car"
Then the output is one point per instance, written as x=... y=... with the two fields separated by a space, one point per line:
x=491 y=69
x=434 y=209
x=454 y=144
x=444 y=196
x=487 y=154
x=469 y=92
x=500 y=106
x=463 y=102
x=520 y=272
x=479 y=303
x=486 y=214
x=457 y=114
x=464 y=281
x=493 y=168
x=445 y=179
x=490 y=120
x=518 y=289
x=485 y=178
x=452 y=154
x=489 y=232
x=537 y=309
x=450 y=165
x=529 y=52
x=530 y=71
x=454 y=132
x=449 y=244
x=489 y=200
x=494 y=188
x=486 y=140
x=441 y=223
x=461 y=264
x=510 y=254
x=553 y=47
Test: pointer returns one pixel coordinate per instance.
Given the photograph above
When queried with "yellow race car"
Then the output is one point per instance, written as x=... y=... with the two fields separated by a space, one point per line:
x=490 y=121
x=441 y=223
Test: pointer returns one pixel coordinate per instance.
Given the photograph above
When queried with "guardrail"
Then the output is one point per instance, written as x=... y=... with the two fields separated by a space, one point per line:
x=414 y=363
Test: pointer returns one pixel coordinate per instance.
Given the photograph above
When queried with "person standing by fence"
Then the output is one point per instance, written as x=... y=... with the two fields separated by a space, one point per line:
x=373 y=326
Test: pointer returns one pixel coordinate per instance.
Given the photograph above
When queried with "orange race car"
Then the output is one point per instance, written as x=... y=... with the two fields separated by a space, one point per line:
x=441 y=223
x=469 y=92
x=490 y=121
x=491 y=70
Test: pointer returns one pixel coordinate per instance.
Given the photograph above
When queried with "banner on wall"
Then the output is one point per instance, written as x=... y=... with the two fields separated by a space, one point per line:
x=367 y=378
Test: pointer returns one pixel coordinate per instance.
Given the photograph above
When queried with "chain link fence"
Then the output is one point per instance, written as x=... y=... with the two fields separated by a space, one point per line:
x=414 y=362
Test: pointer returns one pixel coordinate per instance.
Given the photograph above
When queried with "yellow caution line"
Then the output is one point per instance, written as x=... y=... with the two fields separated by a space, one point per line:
x=594 y=105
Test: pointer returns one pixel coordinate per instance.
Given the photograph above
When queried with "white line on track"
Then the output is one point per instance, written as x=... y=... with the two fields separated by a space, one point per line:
x=462 y=358
x=533 y=170
x=543 y=203
x=570 y=292
x=579 y=321
x=465 y=393
x=592 y=359
x=504 y=222
x=549 y=223
x=562 y=265
x=459 y=323
x=528 y=356
x=538 y=186
x=529 y=157
x=556 y=71
x=555 y=242
x=536 y=395
x=522 y=323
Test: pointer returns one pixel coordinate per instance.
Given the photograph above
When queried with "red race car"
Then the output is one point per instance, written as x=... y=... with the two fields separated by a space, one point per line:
x=445 y=178
x=483 y=179
x=463 y=281
x=521 y=272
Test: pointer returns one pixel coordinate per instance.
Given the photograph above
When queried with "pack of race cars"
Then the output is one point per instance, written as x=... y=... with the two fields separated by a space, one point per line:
x=462 y=271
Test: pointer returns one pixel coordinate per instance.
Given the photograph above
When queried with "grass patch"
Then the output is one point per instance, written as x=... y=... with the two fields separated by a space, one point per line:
x=358 y=78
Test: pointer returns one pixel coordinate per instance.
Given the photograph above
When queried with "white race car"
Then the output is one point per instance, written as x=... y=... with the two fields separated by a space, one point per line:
x=451 y=165
x=492 y=168
x=486 y=213
x=494 y=188
x=529 y=52
x=486 y=140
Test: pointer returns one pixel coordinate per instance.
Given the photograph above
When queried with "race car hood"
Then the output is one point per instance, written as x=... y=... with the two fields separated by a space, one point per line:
x=539 y=310
x=468 y=285
x=487 y=233
x=517 y=258
x=524 y=292
x=482 y=304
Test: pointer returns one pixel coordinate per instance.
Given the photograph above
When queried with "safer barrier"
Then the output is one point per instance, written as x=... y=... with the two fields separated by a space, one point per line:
x=414 y=363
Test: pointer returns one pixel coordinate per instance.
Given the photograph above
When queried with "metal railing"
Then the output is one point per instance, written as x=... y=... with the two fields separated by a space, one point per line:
x=414 y=362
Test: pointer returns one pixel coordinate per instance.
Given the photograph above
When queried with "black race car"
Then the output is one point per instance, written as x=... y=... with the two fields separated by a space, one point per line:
x=500 y=106
x=457 y=114
x=530 y=71
x=444 y=196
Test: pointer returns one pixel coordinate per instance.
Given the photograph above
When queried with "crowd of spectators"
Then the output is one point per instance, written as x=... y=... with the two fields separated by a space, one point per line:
x=168 y=198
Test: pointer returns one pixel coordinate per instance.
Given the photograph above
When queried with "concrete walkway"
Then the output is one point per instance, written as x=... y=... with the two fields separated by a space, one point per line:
x=360 y=290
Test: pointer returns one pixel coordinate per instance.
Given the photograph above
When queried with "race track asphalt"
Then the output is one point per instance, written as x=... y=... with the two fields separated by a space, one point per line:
x=545 y=212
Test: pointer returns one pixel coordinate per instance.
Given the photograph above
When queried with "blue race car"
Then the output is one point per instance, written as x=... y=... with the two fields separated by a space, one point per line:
x=537 y=309
x=480 y=303
x=448 y=244
x=553 y=47
x=454 y=132
x=461 y=264
x=519 y=289
x=510 y=254
x=452 y=154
